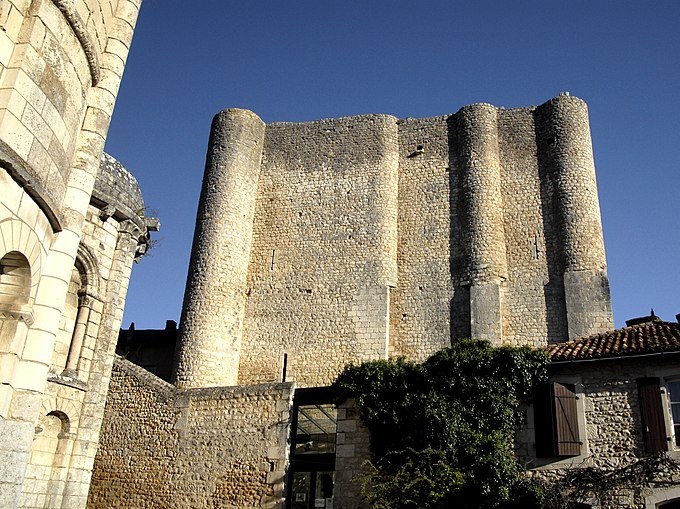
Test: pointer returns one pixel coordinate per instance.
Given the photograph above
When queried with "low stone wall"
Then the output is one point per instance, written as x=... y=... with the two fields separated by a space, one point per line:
x=161 y=447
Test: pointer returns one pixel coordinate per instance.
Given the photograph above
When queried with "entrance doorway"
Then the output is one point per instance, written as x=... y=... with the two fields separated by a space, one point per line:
x=312 y=458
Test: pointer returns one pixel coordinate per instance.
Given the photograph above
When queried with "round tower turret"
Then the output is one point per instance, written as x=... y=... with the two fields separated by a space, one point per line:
x=209 y=340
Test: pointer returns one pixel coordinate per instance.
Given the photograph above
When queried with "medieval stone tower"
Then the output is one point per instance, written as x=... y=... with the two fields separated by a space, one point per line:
x=325 y=243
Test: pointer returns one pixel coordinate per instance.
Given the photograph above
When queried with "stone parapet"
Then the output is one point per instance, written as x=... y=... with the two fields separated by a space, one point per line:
x=211 y=447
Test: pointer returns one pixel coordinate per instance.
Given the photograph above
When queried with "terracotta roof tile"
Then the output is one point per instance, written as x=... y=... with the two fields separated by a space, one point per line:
x=645 y=338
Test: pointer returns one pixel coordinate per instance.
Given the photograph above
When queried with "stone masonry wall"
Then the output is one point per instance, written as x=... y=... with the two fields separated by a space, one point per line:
x=325 y=239
x=221 y=249
x=51 y=53
x=373 y=236
x=198 y=448
x=353 y=444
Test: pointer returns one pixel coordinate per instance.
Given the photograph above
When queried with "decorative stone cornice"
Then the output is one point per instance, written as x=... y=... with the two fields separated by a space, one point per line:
x=68 y=9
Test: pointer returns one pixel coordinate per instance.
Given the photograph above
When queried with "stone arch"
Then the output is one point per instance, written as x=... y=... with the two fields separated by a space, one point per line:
x=17 y=236
x=76 y=326
x=64 y=421
x=51 y=452
x=15 y=317
x=88 y=267
x=16 y=286
x=15 y=280
x=64 y=409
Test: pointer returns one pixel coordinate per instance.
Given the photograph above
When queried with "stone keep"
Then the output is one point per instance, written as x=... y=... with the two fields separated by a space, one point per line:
x=338 y=241
x=71 y=224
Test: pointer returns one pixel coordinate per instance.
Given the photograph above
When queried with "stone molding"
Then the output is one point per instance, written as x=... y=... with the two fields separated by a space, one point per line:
x=20 y=315
x=74 y=20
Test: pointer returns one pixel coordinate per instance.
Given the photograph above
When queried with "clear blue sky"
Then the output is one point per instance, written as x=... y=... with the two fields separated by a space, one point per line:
x=301 y=60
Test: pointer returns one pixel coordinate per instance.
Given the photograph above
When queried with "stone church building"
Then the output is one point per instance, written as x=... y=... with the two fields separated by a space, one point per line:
x=71 y=224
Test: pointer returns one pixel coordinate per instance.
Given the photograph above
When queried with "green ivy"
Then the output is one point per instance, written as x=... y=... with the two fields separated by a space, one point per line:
x=442 y=431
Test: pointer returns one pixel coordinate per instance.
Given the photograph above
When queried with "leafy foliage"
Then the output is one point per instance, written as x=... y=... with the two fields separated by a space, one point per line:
x=442 y=431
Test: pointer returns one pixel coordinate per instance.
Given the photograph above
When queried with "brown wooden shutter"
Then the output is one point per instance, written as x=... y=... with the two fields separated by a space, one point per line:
x=651 y=410
x=566 y=420
x=556 y=421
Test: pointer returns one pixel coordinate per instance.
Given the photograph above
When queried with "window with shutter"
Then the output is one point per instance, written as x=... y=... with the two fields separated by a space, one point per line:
x=556 y=421
x=651 y=410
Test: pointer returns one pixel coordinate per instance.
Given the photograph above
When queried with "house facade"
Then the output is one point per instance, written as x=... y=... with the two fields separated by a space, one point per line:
x=611 y=407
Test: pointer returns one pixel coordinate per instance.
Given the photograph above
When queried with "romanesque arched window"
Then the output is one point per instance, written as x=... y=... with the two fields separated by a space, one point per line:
x=15 y=289
x=79 y=325
x=50 y=457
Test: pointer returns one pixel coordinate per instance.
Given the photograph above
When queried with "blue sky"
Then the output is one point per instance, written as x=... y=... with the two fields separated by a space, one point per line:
x=301 y=60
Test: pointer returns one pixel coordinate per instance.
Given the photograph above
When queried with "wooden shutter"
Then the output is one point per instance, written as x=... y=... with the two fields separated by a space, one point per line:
x=651 y=411
x=556 y=421
x=566 y=420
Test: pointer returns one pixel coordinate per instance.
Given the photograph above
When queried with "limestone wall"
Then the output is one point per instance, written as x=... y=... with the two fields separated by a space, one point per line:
x=353 y=444
x=200 y=448
x=324 y=249
x=372 y=236
x=51 y=53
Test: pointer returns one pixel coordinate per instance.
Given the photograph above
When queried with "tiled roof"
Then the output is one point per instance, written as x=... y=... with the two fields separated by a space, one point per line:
x=642 y=339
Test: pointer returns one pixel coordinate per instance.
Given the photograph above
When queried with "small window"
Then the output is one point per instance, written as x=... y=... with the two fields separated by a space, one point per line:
x=556 y=421
x=15 y=279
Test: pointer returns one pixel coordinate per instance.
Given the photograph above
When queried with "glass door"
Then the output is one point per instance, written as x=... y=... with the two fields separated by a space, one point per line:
x=312 y=490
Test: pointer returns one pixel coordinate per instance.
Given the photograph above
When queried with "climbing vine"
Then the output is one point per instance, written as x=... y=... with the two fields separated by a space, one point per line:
x=442 y=431
x=605 y=485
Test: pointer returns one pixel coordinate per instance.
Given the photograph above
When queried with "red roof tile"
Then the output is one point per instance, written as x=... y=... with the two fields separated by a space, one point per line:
x=642 y=339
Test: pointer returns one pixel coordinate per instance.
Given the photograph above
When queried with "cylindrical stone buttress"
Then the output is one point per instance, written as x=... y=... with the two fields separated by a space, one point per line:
x=482 y=193
x=483 y=218
x=209 y=341
x=566 y=131
x=573 y=171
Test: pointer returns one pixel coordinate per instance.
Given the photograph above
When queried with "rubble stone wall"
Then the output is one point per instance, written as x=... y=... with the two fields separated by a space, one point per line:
x=201 y=448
